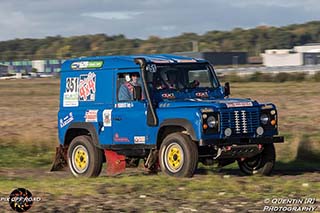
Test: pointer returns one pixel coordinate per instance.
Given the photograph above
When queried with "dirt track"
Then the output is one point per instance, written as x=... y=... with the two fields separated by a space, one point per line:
x=130 y=197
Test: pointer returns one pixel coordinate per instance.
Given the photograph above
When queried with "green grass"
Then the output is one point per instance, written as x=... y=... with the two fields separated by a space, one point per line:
x=18 y=155
x=163 y=185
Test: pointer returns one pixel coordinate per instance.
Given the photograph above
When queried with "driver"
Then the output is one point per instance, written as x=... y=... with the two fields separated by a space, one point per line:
x=168 y=80
x=172 y=79
x=126 y=89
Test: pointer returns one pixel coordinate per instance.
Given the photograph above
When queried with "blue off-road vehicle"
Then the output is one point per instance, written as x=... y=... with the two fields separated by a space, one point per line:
x=168 y=110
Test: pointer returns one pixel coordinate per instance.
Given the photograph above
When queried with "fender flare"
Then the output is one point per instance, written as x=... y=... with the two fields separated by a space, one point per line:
x=186 y=124
x=85 y=126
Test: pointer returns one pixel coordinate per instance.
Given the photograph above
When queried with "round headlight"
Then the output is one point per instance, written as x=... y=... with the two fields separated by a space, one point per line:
x=212 y=121
x=264 y=119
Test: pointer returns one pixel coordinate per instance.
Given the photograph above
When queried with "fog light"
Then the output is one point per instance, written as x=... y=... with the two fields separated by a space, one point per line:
x=260 y=130
x=227 y=132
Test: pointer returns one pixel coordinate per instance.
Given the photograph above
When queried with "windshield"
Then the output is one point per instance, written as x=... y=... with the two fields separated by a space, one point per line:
x=184 y=76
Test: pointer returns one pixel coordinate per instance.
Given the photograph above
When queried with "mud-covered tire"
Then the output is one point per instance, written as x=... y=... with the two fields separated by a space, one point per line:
x=262 y=163
x=84 y=159
x=178 y=155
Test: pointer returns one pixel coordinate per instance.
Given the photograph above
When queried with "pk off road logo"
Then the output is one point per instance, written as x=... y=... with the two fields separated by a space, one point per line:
x=21 y=200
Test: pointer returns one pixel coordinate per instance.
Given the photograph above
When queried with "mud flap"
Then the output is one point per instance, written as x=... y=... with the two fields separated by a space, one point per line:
x=115 y=163
x=60 y=161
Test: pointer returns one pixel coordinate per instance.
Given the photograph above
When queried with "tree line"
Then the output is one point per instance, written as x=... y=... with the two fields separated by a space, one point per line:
x=254 y=41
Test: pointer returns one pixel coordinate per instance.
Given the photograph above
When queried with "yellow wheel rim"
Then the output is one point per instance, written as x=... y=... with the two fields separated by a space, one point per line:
x=174 y=157
x=80 y=159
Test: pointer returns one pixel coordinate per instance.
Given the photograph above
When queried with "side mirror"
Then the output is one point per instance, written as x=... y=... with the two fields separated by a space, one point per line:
x=226 y=89
x=137 y=93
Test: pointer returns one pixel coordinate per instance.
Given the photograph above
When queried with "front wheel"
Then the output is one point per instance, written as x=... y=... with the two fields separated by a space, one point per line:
x=262 y=163
x=178 y=155
x=84 y=159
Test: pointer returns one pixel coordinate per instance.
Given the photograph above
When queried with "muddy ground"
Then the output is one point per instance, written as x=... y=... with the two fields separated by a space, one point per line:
x=131 y=197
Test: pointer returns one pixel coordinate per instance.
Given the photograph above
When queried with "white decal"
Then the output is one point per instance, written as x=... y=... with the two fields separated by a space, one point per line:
x=239 y=104
x=79 y=65
x=70 y=96
x=124 y=105
x=186 y=61
x=139 y=139
x=66 y=120
x=107 y=117
x=91 y=116
x=70 y=100
x=151 y=67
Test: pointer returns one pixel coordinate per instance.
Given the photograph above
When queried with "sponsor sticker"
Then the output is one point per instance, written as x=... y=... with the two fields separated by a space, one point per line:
x=70 y=100
x=168 y=96
x=202 y=94
x=106 y=115
x=91 y=116
x=239 y=104
x=139 y=139
x=117 y=138
x=87 y=87
x=86 y=65
x=124 y=105
x=66 y=120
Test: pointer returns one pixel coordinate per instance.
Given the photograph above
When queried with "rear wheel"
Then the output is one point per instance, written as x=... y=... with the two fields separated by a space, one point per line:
x=178 y=155
x=262 y=163
x=84 y=159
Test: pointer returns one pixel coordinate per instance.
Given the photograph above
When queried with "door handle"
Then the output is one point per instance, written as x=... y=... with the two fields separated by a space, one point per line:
x=117 y=119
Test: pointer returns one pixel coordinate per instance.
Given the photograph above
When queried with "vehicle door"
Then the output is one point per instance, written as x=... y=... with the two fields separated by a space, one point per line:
x=128 y=116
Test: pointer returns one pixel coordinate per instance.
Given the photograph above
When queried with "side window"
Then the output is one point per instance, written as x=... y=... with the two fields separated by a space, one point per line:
x=126 y=83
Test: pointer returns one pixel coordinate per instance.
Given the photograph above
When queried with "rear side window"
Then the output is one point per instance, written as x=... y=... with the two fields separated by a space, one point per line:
x=125 y=85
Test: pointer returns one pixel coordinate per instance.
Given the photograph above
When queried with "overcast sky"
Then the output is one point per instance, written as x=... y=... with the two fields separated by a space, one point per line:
x=142 y=18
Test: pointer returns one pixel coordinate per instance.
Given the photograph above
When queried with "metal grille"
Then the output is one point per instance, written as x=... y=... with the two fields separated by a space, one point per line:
x=242 y=121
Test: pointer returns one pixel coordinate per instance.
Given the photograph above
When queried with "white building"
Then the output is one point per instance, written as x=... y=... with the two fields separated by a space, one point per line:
x=313 y=47
x=299 y=55
x=39 y=65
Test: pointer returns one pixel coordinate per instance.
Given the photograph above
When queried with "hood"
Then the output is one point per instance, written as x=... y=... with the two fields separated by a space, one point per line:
x=216 y=103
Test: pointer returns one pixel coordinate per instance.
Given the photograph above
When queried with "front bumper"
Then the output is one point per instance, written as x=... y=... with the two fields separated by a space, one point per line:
x=241 y=141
